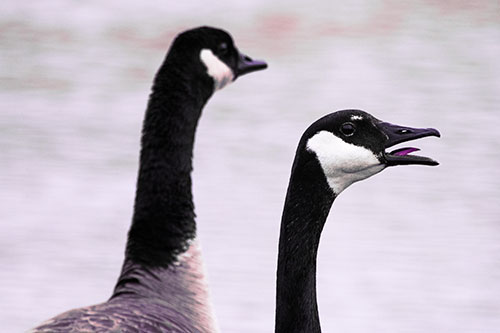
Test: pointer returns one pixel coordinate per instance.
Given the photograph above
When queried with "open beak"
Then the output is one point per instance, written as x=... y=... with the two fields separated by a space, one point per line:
x=247 y=65
x=397 y=134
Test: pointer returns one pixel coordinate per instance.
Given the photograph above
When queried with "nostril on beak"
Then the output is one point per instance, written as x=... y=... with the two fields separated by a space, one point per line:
x=404 y=131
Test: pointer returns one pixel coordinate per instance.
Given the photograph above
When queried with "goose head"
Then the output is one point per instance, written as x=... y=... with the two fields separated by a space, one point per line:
x=213 y=54
x=352 y=145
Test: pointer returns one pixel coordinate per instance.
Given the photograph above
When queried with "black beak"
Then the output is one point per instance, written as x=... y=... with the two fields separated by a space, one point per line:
x=247 y=65
x=396 y=134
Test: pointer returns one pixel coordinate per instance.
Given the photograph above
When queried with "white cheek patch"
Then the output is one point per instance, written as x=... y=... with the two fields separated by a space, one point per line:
x=218 y=70
x=343 y=163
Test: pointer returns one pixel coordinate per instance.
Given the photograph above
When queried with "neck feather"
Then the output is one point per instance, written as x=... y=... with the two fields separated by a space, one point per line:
x=162 y=260
x=307 y=204
x=163 y=220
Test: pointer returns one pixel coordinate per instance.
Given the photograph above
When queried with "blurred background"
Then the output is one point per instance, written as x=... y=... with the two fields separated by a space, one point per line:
x=413 y=249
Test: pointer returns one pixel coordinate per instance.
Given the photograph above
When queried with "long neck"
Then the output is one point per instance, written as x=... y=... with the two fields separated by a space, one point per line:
x=307 y=204
x=162 y=258
x=163 y=220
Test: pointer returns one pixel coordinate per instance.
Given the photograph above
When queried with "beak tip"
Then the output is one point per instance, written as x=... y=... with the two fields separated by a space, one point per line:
x=436 y=132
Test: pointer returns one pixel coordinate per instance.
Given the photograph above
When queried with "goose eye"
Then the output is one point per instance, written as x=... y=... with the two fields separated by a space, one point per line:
x=348 y=129
x=222 y=49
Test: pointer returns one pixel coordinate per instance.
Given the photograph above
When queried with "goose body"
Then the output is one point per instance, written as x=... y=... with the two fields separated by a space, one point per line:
x=337 y=150
x=161 y=287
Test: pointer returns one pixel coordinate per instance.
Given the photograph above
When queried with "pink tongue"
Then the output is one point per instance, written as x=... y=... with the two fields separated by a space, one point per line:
x=405 y=151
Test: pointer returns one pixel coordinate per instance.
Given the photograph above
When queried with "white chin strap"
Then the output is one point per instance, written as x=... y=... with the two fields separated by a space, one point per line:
x=217 y=69
x=343 y=163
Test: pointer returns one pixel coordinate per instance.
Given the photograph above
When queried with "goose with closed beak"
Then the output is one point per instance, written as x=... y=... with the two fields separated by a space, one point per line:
x=162 y=286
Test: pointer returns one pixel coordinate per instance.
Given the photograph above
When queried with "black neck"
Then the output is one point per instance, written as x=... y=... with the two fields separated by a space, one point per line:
x=307 y=204
x=163 y=219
